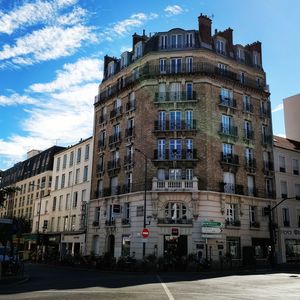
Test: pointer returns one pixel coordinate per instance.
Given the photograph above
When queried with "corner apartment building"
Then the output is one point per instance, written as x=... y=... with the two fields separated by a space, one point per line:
x=34 y=177
x=63 y=215
x=197 y=106
x=287 y=175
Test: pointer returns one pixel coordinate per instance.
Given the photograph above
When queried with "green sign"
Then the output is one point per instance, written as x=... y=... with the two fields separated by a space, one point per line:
x=211 y=224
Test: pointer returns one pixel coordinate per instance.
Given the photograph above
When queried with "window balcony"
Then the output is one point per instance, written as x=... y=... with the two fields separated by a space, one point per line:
x=173 y=155
x=100 y=169
x=128 y=161
x=264 y=113
x=266 y=140
x=103 y=118
x=116 y=112
x=232 y=223
x=227 y=102
x=231 y=188
x=114 y=139
x=177 y=221
x=130 y=105
x=174 y=185
x=168 y=126
x=126 y=222
x=228 y=131
x=268 y=167
x=110 y=223
x=229 y=158
x=129 y=132
x=175 y=97
x=250 y=164
x=101 y=145
x=248 y=135
x=247 y=108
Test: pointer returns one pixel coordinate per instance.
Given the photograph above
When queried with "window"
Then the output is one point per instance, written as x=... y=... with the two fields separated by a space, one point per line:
x=162 y=120
x=52 y=224
x=64 y=161
x=249 y=156
x=58 y=164
x=175 y=174
x=286 y=217
x=83 y=196
x=188 y=119
x=140 y=211
x=269 y=187
x=97 y=216
x=247 y=103
x=68 y=202
x=162 y=65
x=233 y=247
x=265 y=135
x=229 y=182
x=248 y=130
x=175 y=211
x=295 y=166
x=138 y=50
x=189 y=90
x=71 y=159
x=175 y=120
x=46 y=207
x=222 y=68
x=58 y=224
x=175 y=91
x=189 y=39
x=78 y=155
x=56 y=183
x=189 y=148
x=250 y=185
x=99 y=190
x=65 y=228
x=87 y=152
x=60 y=200
x=226 y=125
x=62 y=184
x=114 y=185
x=126 y=210
x=163 y=41
x=175 y=149
x=297 y=191
x=231 y=214
x=125 y=245
x=189 y=64
x=227 y=151
x=226 y=94
x=101 y=142
x=253 y=215
x=45 y=225
x=220 y=47
x=176 y=40
x=77 y=176
x=283 y=189
x=73 y=222
x=242 y=77
x=54 y=204
x=189 y=174
x=85 y=173
x=281 y=163
x=175 y=65
x=75 y=199
x=70 y=179
x=161 y=149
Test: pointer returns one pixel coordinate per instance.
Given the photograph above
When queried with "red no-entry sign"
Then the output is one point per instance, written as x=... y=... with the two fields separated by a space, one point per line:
x=145 y=233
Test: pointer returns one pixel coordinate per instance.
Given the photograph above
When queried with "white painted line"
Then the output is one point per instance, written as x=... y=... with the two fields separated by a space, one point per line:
x=169 y=294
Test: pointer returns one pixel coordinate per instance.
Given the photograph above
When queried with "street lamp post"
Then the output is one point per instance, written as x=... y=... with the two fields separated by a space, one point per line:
x=271 y=228
x=145 y=194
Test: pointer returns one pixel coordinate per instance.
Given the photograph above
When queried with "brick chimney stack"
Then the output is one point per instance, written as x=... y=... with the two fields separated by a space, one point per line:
x=204 y=29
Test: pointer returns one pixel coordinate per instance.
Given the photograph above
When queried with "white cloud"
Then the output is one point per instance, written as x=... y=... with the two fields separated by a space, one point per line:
x=48 y=43
x=84 y=70
x=32 y=13
x=125 y=48
x=124 y=26
x=172 y=10
x=62 y=111
x=15 y=99
x=279 y=107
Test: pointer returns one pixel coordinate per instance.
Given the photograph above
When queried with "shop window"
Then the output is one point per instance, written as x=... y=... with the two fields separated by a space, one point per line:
x=233 y=247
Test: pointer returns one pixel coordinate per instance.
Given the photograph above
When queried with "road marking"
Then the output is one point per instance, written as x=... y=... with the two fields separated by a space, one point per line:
x=169 y=294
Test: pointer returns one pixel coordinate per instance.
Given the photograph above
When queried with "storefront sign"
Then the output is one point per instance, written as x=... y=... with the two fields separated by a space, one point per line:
x=210 y=224
x=211 y=230
x=291 y=232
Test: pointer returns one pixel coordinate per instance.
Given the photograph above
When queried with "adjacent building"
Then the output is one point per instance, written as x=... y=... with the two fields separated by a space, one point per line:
x=63 y=215
x=291 y=108
x=195 y=108
x=287 y=217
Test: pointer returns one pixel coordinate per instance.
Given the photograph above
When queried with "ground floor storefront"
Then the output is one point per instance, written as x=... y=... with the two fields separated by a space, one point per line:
x=289 y=245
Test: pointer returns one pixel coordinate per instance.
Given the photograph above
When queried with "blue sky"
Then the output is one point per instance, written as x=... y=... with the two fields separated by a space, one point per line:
x=51 y=55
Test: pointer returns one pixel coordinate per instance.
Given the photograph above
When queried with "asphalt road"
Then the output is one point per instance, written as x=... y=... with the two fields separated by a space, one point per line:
x=50 y=282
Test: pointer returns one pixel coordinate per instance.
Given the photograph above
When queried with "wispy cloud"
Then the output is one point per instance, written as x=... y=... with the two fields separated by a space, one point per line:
x=32 y=13
x=15 y=99
x=84 y=70
x=172 y=10
x=124 y=26
x=279 y=107
x=61 y=110
x=46 y=44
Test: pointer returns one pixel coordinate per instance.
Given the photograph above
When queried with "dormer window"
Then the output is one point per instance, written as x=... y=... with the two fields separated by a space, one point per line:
x=240 y=55
x=176 y=40
x=138 y=50
x=124 y=60
x=189 y=40
x=220 y=47
x=163 y=42
x=111 y=68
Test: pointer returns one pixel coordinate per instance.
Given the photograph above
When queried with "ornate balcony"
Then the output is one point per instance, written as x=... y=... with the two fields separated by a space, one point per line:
x=178 y=221
x=170 y=127
x=113 y=165
x=228 y=131
x=229 y=158
x=161 y=97
x=233 y=223
x=130 y=105
x=129 y=132
x=116 y=112
x=227 y=102
x=250 y=164
x=114 y=139
x=166 y=155
x=231 y=188
x=174 y=185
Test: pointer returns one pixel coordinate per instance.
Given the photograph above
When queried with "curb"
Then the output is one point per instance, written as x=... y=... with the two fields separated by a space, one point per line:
x=10 y=282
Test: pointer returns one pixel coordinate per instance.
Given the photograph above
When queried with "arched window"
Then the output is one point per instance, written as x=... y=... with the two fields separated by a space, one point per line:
x=175 y=211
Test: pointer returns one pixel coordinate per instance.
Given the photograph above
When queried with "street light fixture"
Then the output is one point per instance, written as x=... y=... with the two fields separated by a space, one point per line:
x=269 y=211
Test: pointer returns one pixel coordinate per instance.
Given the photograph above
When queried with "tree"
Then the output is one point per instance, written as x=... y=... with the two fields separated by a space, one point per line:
x=6 y=191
